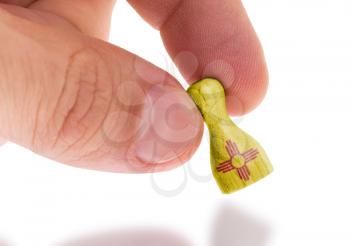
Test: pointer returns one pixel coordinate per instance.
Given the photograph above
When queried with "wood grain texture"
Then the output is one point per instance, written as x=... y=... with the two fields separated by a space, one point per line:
x=237 y=159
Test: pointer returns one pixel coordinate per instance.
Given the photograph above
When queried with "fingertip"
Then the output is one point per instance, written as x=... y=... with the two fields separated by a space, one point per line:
x=248 y=89
x=215 y=40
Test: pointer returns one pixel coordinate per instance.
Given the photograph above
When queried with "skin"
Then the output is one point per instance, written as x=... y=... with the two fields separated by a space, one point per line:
x=69 y=95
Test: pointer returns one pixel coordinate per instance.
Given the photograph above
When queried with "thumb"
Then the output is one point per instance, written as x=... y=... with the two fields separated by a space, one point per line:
x=84 y=102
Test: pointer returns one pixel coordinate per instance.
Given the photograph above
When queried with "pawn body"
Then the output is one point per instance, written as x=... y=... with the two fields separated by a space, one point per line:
x=237 y=160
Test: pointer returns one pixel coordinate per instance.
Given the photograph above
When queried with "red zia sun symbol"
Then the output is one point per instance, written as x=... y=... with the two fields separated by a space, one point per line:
x=237 y=160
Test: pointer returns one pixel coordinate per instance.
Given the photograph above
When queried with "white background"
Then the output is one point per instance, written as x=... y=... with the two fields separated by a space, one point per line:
x=303 y=125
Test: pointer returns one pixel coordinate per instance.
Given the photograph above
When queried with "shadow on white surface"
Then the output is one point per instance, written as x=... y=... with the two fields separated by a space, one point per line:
x=2 y=142
x=234 y=227
x=133 y=237
x=3 y=243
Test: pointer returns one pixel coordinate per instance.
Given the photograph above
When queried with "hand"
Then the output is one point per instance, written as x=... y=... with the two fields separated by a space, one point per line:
x=67 y=94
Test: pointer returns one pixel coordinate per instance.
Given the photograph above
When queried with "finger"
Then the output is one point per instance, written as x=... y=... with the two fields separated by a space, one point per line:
x=92 y=17
x=212 y=39
x=84 y=102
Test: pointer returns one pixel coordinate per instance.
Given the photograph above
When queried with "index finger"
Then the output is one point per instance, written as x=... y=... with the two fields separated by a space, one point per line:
x=212 y=39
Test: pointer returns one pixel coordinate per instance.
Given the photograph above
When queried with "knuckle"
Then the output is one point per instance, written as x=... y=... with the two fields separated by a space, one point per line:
x=83 y=103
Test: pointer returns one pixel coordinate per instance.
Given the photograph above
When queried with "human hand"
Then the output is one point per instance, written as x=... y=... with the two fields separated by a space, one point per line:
x=67 y=94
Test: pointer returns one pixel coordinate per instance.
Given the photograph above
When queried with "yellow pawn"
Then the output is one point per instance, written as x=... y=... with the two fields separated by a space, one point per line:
x=237 y=160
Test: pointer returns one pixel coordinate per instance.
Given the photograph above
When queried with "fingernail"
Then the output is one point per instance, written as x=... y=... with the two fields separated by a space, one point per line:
x=175 y=125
